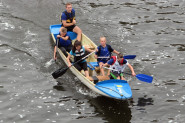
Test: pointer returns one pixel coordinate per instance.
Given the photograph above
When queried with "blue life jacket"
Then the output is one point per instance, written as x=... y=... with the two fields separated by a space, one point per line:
x=70 y=16
x=104 y=52
x=65 y=43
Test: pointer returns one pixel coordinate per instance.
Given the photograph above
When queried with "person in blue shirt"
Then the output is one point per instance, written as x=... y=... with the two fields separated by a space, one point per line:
x=64 y=40
x=103 y=53
x=78 y=51
x=69 y=21
x=117 y=65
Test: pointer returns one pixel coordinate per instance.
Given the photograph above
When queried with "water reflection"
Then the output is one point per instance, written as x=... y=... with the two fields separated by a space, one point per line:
x=143 y=101
x=113 y=111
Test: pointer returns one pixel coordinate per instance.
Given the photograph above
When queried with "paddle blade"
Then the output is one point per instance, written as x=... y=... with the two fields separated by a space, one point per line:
x=129 y=56
x=59 y=72
x=144 y=78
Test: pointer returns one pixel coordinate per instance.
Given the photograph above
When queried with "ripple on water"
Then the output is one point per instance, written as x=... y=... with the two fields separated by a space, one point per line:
x=147 y=24
x=170 y=82
x=6 y=26
x=180 y=47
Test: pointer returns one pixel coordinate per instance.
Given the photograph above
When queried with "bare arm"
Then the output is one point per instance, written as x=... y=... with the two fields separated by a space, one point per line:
x=68 y=61
x=65 y=24
x=105 y=65
x=65 y=38
x=132 y=70
x=96 y=56
x=114 y=51
x=74 y=21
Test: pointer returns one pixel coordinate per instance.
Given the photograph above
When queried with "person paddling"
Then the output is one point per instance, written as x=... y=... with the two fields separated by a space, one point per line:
x=104 y=50
x=78 y=51
x=64 y=40
x=68 y=21
x=117 y=65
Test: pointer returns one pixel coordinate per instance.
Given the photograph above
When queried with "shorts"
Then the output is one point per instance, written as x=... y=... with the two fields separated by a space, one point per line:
x=114 y=75
x=68 y=48
x=70 y=28
x=81 y=66
x=65 y=48
x=103 y=60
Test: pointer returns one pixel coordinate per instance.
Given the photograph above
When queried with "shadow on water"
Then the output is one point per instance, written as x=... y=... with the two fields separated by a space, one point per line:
x=59 y=87
x=112 y=111
x=144 y=101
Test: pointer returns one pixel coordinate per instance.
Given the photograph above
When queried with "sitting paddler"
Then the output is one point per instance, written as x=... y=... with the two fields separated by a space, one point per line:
x=117 y=65
x=68 y=21
x=103 y=53
x=64 y=40
x=78 y=51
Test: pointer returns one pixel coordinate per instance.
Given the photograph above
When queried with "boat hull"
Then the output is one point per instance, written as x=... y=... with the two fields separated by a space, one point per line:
x=54 y=29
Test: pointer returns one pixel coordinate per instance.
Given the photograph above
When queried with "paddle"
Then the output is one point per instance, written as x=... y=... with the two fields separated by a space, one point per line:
x=125 y=57
x=61 y=71
x=141 y=77
x=56 y=49
x=129 y=57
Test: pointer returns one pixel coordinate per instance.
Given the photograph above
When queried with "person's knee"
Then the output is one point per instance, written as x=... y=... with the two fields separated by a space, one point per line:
x=77 y=30
x=85 y=69
x=118 y=77
x=101 y=63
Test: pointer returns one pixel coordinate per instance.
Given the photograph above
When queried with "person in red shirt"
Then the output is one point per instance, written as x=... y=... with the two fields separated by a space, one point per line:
x=117 y=65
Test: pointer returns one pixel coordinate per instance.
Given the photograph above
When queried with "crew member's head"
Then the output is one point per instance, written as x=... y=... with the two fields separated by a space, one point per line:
x=69 y=7
x=120 y=57
x=63 y=31
x=77 y=45
x=103 y=41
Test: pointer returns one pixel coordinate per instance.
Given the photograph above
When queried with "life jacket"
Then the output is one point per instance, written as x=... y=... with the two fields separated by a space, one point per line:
x=106 y=53
x=69 y=18
x=115 y=58
x=79 y=55
x=99 y=49
x=65 y=42
x=117 y=66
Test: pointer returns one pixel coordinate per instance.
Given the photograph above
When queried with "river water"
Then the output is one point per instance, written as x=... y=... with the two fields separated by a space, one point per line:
x=154 y=30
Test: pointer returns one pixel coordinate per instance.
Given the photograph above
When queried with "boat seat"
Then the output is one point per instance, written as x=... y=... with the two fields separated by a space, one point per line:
x=89 y=46
x=92 y=65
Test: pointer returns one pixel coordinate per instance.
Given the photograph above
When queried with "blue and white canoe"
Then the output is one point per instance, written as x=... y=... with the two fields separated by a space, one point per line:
x=117 y=89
